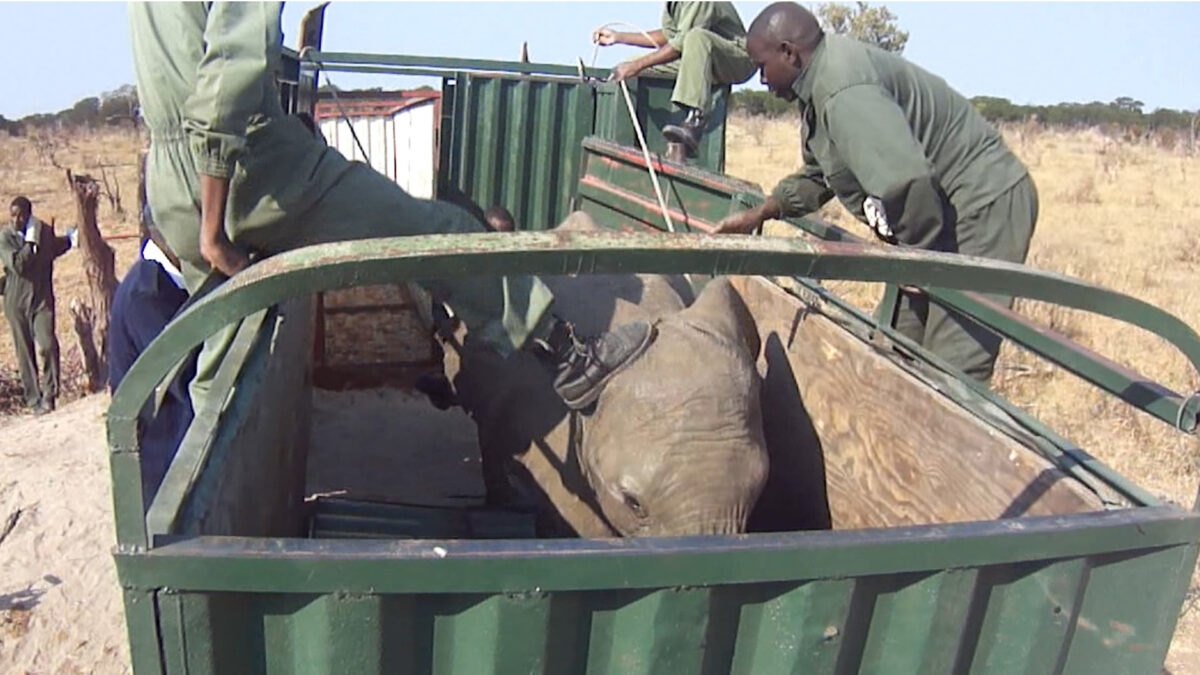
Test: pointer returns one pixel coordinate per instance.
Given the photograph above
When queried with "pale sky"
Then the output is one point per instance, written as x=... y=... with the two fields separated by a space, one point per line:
x=1030 y=52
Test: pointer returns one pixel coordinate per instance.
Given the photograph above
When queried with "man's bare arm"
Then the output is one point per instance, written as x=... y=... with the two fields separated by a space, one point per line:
x=606 y=37
x=214 y=243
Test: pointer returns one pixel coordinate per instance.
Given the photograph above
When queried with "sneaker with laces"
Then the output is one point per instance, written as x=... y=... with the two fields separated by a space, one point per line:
x=583 y=366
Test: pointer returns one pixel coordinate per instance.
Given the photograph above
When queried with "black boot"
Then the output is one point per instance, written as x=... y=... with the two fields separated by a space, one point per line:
x=439 y=390
x=688 y=132
x=583 y=367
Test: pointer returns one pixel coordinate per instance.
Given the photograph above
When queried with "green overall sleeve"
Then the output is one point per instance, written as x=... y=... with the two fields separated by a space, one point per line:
x=804 y=191
x=242 y=41
x=872 y=135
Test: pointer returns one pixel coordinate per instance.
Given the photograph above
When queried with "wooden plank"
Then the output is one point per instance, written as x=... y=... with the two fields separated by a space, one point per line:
x=894 y=452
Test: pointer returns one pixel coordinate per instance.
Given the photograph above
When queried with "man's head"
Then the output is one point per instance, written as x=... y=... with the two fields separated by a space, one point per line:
x=20 y=209
x=499 y=219
x=780 y=41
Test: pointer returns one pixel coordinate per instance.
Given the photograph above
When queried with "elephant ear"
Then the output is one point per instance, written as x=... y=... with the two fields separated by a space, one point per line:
x=721 y=311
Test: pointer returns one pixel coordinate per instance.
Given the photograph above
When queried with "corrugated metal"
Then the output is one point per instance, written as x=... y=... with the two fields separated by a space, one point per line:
x=401 y=145
x=515 y=141
x=1039 y=617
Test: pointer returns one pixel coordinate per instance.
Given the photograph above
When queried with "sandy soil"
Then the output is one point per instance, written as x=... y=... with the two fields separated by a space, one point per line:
x=60 y=604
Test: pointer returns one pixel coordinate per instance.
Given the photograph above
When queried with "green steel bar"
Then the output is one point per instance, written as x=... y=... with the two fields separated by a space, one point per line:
x=334 y=60
x=885 y=313
x=391 y=260
x=259 y=565
x=1127 y=385
x=141 y=624
x=167 y=507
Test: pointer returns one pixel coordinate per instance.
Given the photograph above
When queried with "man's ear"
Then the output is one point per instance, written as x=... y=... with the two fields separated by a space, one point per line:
x=791 y=53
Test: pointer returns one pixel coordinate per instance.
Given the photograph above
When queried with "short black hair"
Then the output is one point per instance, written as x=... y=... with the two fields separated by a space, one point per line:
x=23 y=204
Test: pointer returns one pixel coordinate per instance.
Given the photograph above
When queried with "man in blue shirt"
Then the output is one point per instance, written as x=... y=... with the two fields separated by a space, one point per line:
x=148 y=297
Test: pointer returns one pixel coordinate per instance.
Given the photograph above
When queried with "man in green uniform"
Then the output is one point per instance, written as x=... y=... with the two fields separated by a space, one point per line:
x=27 y=252
x=904 y=153
x=229 y=174
x=701 y=44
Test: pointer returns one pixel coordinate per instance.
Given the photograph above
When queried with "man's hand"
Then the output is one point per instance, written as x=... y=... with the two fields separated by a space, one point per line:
x=223 y=255
x=605 y=37
x=624 y=71
x=215 y=247
x=750 y=220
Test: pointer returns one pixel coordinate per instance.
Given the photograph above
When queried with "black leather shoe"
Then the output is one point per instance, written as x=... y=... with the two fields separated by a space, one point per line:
x=439 y=390
x=688 y=132
x=583 y=367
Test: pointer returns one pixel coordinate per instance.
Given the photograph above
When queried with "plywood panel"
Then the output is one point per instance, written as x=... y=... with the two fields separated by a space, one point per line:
x=893 y=451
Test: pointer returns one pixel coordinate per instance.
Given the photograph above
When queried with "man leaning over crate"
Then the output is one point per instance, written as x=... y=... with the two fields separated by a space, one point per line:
x=702 y=44
x=904 y=153
x=229 y=175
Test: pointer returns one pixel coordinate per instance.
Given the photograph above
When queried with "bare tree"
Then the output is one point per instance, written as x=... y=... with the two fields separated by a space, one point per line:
x=90 y=316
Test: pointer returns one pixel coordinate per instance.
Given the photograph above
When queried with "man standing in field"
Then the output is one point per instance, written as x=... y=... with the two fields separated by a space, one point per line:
x=904 y=153
x=702 y=44
x=229 y=174
x=27 y=252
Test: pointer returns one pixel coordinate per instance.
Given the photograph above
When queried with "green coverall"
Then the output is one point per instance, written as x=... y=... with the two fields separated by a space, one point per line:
x=913 y=159
x=29 y=307
x=205 y=76
x=711 y=42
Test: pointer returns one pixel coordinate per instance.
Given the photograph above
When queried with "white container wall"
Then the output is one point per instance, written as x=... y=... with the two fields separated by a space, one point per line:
x=401 y=145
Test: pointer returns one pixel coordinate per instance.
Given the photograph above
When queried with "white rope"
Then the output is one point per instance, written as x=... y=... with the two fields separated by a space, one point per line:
x=637 y=127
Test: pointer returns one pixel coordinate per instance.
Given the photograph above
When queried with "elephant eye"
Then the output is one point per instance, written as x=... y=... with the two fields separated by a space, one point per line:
x=634 y=505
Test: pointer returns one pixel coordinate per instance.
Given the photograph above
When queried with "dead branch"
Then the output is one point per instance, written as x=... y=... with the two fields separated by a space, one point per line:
x=113 y=192
x=99 y=264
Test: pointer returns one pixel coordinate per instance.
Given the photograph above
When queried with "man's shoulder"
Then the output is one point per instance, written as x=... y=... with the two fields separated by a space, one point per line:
x=847 y=63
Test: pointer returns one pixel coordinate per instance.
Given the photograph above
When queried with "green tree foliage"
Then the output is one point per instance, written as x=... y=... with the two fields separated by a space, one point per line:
x=1124 y=112
x=873 y=25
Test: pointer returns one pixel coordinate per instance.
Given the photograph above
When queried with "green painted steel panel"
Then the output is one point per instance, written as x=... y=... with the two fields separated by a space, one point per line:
x=651 y=98
x=516 y=140
x=1025 y=618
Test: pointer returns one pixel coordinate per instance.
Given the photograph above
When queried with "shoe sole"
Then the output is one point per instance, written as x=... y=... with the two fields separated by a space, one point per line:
x=675 y=134
x=595 y=391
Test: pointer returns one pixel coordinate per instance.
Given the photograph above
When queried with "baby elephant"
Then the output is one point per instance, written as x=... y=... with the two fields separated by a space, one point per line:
x=673 y=446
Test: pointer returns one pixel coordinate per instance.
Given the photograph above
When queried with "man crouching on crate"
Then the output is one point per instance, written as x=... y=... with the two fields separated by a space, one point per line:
x=701 y=44
x=229 y=174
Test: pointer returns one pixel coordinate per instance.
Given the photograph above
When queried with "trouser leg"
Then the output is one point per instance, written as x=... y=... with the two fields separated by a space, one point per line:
x=22 y=332
x=1001 y=231
x=46 y=343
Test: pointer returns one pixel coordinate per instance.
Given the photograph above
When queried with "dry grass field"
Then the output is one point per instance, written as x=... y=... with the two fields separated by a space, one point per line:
x=1124 y=216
